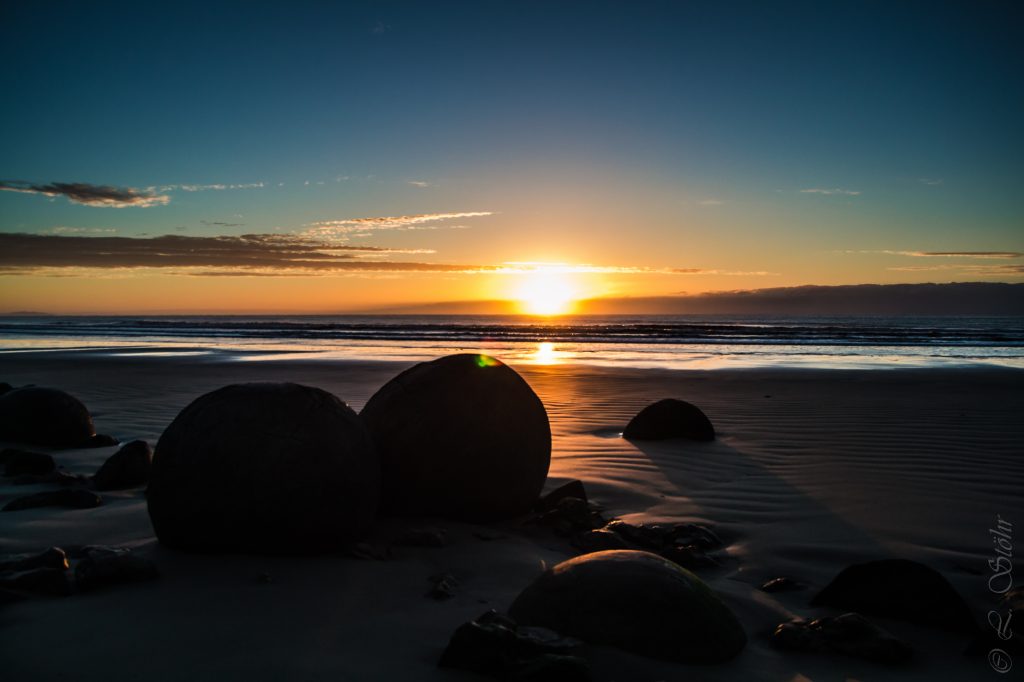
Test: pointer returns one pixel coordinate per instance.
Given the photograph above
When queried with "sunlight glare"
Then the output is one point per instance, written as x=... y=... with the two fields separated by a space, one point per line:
x=546 y=293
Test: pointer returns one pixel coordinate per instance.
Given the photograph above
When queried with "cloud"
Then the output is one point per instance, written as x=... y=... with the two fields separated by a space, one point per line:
x=91 y=195
x=523 y=267
x=207 y=188
x=225 y=255
x=419 y=183
x=1001 y=270
x=837 y=190
x=930 y=181
x=346 y=227
x=949 y=254
x=214 y=222
x=63 y=229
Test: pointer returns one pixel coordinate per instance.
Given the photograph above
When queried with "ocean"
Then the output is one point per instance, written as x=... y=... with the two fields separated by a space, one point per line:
x=678 y=341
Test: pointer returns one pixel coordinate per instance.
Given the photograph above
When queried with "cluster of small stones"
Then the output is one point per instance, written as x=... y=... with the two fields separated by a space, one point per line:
x=58 y=572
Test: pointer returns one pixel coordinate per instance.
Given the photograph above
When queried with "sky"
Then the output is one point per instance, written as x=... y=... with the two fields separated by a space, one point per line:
x=345 y=157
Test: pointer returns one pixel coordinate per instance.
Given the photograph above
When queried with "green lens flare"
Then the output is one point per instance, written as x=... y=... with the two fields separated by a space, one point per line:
x=486 y=361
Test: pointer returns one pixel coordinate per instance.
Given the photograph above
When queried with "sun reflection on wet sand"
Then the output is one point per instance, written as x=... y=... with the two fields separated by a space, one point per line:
x=546 y=354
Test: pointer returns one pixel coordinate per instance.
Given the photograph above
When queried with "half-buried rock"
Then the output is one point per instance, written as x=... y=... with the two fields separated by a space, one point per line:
x=464 y=437
x=44 y=416
x=670 y=418
x=636 y=601
x=264 y=468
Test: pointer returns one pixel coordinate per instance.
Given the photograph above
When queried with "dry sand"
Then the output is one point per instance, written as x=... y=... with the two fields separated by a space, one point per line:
x=812 y=470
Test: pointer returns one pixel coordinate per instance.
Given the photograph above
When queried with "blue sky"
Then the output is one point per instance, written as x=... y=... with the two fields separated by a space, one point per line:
x=648 y=136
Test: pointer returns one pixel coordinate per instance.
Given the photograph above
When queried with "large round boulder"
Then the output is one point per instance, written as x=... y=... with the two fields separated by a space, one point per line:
x=463 y=436
x=670 y=418
x=265 y=468
x=636 y=601
x=44 y=416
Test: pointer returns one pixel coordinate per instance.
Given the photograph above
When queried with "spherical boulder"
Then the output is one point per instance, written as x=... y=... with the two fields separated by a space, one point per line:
x=670 y=418
x=463 y=437
x=266 y=468
x=126 y=468
x=44 y=416
x=636 y=601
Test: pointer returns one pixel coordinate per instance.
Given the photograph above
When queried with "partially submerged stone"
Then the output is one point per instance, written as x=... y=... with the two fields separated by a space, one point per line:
x=850 y=634
x=26 y=463
x=899 y=589
x=44 y=416
x=572 y=489
x=494 y=645
x=54 y=557
x=265 y=468
x=670 y=418
x=126 y=468
x=781 y=584
x=462 y=437
x=636 y=601
x=103 y=567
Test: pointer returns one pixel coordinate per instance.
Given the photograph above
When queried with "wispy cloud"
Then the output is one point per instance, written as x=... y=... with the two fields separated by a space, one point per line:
x=1001 y=270
x=207 y=188
x=523 y=267
x=835 y=190
x=221 y=224
x=104 y=196
x=419 y=183
x=348 y=227
x=64 y=229
x=930 y=181
x=947 y=254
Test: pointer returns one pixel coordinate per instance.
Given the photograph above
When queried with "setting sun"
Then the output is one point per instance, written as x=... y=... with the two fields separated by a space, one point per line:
x=546 y=293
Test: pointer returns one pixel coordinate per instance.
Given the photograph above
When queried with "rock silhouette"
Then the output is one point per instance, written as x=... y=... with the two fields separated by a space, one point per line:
x=463 y=436
x=670 y=418
x=636 y=601
x=44 y=416
x=264 y=468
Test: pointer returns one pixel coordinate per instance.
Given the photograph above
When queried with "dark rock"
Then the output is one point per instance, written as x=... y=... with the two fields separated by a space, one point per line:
x=101 y=441
x=850 y=634
x=44 y=416
x=571 y=489
x=104 y=567
x=636 y=601
x=495 y=646
x=463 y=437
x=899 y=589
x=691 y=557
x=5 y=387
x=265 y=578
x=54 y=557
x=598 y=541
x=781 y=585
x=367 y=551
x=442 y=586
x=670 y=418
x=422 y=537
x=26 y=463
x=658 y=537
x=267 y=468
x=126 y=468
x=570 y=516
x=69 y=498
x=46 y=581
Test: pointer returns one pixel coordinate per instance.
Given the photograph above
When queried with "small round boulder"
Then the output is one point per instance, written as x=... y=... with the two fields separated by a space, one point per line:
x=463 y=437
x=636 y=601
x=272 y=468
x=44 y=416
x=670 y=418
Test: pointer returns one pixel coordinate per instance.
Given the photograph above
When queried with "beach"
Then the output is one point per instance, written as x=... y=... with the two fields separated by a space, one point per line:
x=812 y=470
